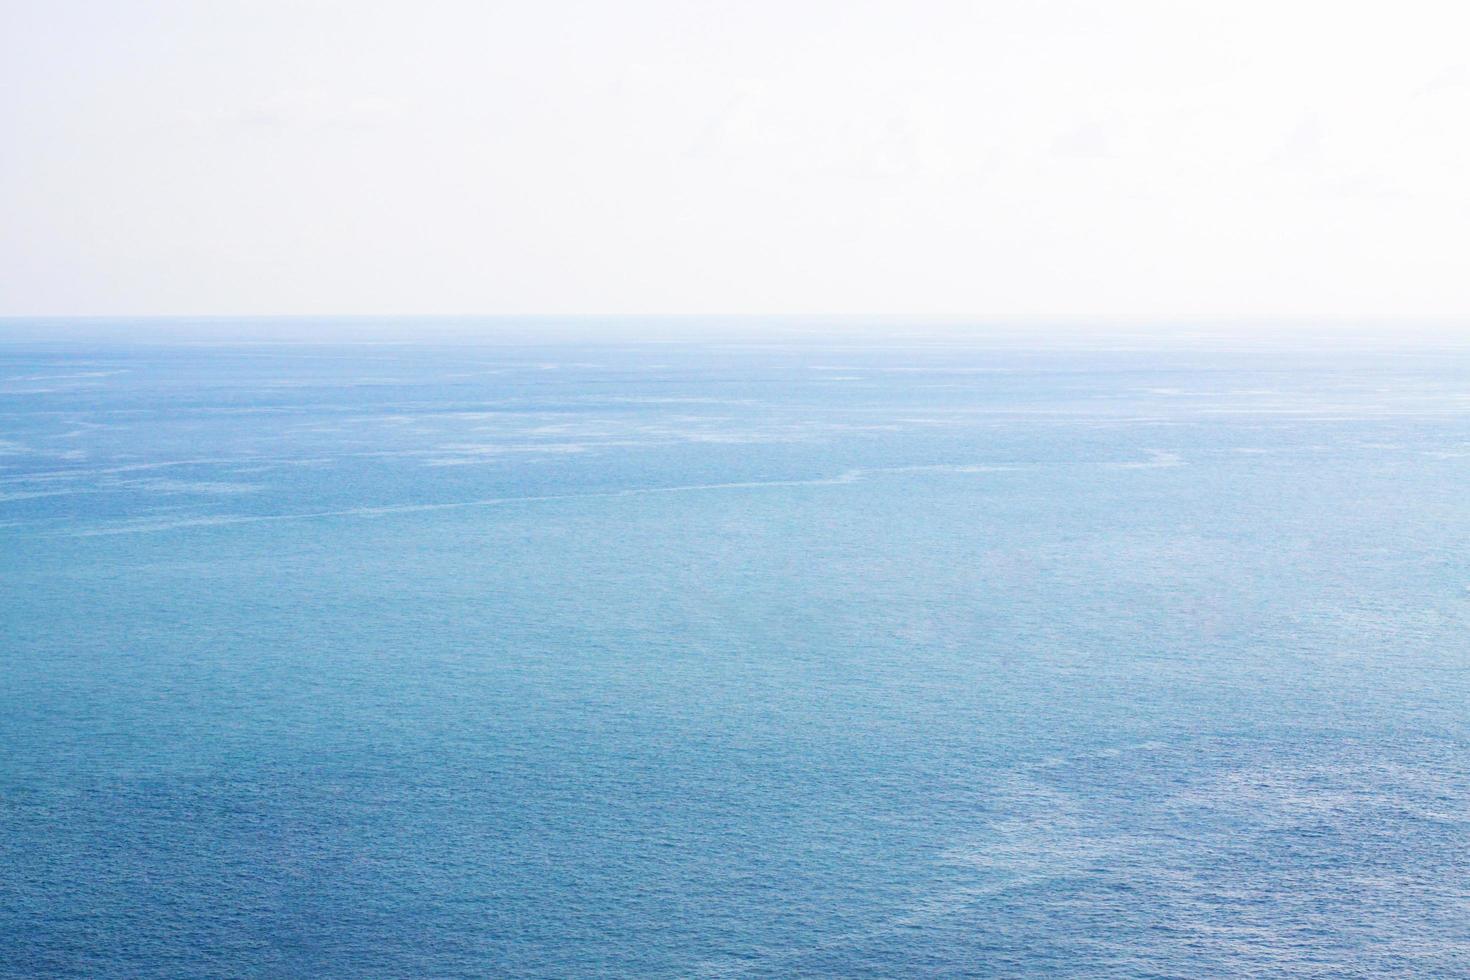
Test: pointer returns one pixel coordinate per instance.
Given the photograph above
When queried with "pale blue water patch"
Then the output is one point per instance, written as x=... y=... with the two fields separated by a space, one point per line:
x=733 y=659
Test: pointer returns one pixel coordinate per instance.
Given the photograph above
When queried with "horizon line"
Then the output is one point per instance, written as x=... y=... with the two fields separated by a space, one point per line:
x=974 y=318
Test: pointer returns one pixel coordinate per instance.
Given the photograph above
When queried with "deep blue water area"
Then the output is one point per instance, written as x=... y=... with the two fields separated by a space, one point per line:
x=723 y=658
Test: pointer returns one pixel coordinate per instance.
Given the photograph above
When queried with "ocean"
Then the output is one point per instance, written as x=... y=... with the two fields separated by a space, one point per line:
x=549 y=650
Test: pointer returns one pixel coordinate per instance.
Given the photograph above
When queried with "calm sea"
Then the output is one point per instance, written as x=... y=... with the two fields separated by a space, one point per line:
x=791 y=655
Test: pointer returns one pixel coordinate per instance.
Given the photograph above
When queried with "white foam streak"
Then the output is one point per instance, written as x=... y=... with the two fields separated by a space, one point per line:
x=846 y=477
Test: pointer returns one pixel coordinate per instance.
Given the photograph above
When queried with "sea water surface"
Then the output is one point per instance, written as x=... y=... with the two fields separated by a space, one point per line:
x=800 y=655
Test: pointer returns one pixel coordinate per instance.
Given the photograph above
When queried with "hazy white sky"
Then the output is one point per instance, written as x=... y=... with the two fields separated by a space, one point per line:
x=1115 y=159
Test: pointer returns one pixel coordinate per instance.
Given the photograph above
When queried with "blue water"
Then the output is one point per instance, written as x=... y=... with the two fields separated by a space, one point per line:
x=789 y=657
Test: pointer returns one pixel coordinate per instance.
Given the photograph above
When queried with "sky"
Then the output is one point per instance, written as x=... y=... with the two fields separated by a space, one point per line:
x=1121 y=159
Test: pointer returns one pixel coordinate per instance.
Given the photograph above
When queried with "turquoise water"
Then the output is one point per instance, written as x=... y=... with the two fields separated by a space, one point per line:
x=786 y=658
